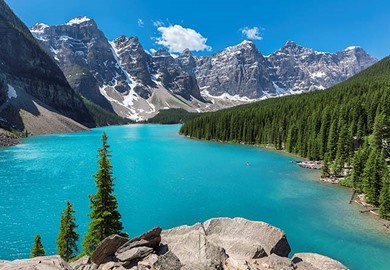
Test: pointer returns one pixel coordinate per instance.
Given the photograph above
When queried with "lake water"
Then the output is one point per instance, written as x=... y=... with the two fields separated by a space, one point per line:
x=163 y=179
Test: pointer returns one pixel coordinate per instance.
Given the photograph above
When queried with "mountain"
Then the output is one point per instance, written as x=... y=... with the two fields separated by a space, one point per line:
x=119 y=75
x=34 y=94
x=239 y=70
x=298 y=69
x=122 y=77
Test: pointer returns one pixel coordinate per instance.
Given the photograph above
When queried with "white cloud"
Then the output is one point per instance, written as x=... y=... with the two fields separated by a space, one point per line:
x=252 y=33
x=158 y=23
x=177 y=38
x=140 y=23
x=152 y=50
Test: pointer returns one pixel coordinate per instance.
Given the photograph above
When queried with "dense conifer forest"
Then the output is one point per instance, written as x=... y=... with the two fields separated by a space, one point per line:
x=346 y=126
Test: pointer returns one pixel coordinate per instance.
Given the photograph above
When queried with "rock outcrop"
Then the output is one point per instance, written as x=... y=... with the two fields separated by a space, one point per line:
x=37 y=263
x=217 y=244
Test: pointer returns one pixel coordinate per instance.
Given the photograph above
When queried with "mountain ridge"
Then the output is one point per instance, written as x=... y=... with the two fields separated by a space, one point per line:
x=121 y=76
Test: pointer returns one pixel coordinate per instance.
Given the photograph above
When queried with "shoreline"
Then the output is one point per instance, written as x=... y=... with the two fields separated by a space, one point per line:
x=7 y=140
x=313 y=166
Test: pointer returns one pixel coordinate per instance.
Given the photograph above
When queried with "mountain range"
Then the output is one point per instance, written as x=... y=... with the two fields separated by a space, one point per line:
x=69 y=77
x=122 y=77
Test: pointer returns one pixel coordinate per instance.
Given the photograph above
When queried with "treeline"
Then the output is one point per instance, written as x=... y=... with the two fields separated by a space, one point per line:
x=347 y=126
x=172 y=116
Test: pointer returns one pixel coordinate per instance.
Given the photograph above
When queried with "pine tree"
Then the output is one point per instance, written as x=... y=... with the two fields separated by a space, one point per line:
x=105 y=218
x=37 y=249
x=325 y=167
x=67 y=237
x=358 y=163
x=377 y=133
x=372 y=177
x=384 y=199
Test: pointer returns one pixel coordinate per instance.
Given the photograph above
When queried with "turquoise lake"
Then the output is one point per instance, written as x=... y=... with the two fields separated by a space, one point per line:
x=164 y=179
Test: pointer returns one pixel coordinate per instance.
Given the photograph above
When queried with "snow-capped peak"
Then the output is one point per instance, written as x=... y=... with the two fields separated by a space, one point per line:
x=78 y=20
x=352 y=48
x=39 y=28
x=246 y=42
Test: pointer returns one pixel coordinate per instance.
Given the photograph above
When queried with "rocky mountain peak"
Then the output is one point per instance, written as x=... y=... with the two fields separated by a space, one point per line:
x=39 y=28
x=291 y=48
x=186 y=52
x=162 y=53
x=80 y=20
x=246 y=45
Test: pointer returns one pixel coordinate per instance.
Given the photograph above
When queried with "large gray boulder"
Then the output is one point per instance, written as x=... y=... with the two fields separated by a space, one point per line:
x=107 y=248
x=84 y=263
x=150 y=239
x=191 y=246
x=313 y=261
x=134 y=254
x=242 y=238
x=37 y=263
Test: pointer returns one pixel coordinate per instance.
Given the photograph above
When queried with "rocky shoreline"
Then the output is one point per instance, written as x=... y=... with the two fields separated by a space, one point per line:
x=220 y=244
x=307 y=164
x=7 y=140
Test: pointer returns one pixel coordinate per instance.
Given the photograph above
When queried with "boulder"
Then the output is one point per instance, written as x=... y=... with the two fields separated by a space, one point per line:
x=37 y=263
x=167 y=261
x=107 y=248
x=150 y=239
x=192 y=248
x=244 y=239
x=84 y=263
x=134 y=254
x=273 y=261
x=313 y=261
x=148 y=262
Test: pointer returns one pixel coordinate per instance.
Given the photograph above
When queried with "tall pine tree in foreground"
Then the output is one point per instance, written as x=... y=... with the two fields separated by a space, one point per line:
x=105 y=218
x=37 y=249
x=67 y=237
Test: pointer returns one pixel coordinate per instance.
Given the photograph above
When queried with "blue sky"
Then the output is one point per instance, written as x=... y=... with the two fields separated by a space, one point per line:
x=210 y=26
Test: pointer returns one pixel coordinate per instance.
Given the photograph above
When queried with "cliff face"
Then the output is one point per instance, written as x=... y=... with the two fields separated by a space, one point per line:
x=26 y=69
x=216 y=244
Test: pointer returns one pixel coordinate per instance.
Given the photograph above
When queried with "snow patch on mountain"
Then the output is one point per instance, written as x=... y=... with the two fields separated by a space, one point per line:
x=78 y=20
x=11 y=92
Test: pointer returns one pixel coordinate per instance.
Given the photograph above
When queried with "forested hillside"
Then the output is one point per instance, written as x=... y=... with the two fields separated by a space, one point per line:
x=347 y=126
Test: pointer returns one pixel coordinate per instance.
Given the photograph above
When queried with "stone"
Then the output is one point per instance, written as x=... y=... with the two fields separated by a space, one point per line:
x=312 y=261
x=151 y=239
x=192 y=248
x=37 y=263
x=134 y=254
x=274 y=262
x=84 y=263
x=107 y=266
x=244 y=239
x=107 y=248
x=168 y=261
x=148 y=262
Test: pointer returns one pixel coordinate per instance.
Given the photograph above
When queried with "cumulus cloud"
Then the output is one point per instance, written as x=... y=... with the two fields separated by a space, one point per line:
x=177 y=38
x=251 y=33
x=140 y=23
